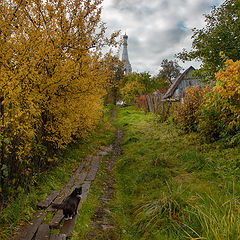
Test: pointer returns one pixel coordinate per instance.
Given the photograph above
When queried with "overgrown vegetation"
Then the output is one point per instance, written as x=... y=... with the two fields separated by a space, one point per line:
x=213 y=111
x=53 y=78
x=171 y=186
x=20 y=208
x=187 y=115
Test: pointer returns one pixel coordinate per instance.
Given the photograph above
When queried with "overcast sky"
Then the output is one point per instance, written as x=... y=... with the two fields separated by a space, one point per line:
x=156 y=29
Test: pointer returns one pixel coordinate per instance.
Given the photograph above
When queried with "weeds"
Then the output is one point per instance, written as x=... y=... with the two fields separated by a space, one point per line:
x=216 y=218
x=171 y=186
x=168 y=208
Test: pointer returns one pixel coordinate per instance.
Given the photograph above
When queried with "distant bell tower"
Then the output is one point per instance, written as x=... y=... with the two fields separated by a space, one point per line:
x=127 y=65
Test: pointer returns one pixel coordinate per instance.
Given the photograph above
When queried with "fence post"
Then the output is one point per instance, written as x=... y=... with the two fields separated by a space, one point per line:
x=150 y=105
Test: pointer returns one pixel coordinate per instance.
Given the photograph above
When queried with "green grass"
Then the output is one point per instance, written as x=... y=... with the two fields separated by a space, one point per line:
x=172 y=186
x=168 y=185
x=21 y=208
x=90 y=205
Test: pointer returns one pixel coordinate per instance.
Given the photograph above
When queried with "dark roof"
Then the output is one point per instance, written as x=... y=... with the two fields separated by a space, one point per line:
x=173 y=87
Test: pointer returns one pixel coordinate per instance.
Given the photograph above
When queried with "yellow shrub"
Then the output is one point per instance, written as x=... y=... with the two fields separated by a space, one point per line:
x=53 y=76
x=220 y=112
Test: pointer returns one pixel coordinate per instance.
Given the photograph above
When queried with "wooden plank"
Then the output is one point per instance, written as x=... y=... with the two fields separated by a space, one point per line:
x=46 y=203
x=67 y=188
x=59 y=214
x=93 y=170
x=78 y=178
x=43 y=232
x=85 y=188
x=107 y=149
x=57 y=218
x=103 y=153
x=88 y=163
x=68 y=226
x=58 y=237
x=27 y=232
x=79 y=181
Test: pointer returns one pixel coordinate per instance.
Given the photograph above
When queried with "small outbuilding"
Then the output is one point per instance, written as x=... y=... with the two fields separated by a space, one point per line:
x=186 y=79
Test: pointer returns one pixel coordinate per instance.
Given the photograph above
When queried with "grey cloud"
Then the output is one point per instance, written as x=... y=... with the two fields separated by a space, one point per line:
x=157 y=29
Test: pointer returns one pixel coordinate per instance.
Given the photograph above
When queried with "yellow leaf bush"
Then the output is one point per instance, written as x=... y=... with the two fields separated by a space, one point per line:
x=220 y=113
x=53 y=76
x=214 y=112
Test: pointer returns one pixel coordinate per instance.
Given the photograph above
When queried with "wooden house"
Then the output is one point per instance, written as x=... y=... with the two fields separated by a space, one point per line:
x=186 y=79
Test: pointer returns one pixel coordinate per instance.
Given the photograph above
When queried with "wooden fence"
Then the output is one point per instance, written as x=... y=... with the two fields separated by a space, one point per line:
x=154 y=103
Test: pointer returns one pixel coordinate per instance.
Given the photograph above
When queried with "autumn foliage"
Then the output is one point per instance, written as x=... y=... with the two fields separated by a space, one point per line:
x=214 y=112
x=220 y=113
x=53 y=77
x=187 y=114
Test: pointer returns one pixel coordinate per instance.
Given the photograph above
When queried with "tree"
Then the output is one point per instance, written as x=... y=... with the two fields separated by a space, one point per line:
x=53 y=76
x=115 y=66
x=160 y=84
x=220 y=37
x=170 y=70
x=131 y=87
x=136 y=84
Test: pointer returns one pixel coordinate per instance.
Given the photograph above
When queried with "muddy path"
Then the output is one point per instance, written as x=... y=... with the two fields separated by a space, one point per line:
x=102 y=224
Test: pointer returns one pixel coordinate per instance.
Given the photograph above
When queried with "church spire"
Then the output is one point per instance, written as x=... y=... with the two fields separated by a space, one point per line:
x=127 y=65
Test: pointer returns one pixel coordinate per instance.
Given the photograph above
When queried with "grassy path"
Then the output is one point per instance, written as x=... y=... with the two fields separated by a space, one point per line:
x=165 y=185
x=171 y=186
x=102 y=223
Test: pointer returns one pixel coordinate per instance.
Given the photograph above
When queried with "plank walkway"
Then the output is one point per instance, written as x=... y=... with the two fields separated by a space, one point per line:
x=37 y=229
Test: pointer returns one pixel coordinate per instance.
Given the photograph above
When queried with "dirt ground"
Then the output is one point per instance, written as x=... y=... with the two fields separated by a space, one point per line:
x=102 y=224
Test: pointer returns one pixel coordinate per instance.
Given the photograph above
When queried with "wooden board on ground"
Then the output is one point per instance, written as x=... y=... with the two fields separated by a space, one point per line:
x=46 y=203
x=107 y=149
x=93 y=170
x=38 y=231
x=58 y=237
x=43 y=232
x=85 y=187
x=79 y=181
x=28 y=231
x=59 y=214
x=57 y=218
x=68 y=226
x=67 y=188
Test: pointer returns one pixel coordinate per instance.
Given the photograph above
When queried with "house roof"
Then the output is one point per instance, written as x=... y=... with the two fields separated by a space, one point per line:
x=174 y=86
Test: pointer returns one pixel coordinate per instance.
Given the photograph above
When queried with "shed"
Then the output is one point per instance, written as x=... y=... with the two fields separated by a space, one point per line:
x=186 y=79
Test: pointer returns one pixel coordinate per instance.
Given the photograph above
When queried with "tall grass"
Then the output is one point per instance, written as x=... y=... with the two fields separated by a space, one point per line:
x=171 y=186
x=168 y=208
x=195 y=217
x=217 y=219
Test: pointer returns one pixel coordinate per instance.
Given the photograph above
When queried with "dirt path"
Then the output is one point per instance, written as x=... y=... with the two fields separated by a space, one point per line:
x=102 y=225
x=84 y=175
x=38 y=229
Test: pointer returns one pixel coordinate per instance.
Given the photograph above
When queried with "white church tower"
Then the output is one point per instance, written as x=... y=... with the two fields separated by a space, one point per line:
x=127 y=65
